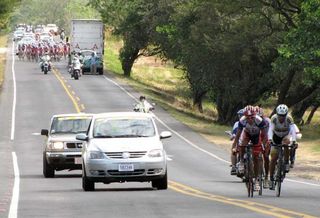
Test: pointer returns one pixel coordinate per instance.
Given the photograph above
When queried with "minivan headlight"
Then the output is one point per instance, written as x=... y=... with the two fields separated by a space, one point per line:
x=96 y=155
x=155 y=153
x=55 y=145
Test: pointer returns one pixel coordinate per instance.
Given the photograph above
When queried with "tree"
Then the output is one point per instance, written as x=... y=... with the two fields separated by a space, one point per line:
x=299 y=60
x=6 y=7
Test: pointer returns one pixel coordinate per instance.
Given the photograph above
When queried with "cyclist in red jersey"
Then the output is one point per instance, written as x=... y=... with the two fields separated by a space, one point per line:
x=251 y=128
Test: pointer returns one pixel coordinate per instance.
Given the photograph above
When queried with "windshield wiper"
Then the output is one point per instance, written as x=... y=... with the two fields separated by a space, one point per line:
x=130 y=136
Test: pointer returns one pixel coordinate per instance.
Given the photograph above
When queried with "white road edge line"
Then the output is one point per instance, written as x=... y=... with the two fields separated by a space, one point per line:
x=13 y=212
x=189 y=142
x=13 y=116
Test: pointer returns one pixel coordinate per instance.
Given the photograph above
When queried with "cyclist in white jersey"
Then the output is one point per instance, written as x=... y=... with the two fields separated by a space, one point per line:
x=280 y=131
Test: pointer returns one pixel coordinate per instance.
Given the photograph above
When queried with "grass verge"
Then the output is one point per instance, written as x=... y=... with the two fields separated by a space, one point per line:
x=167 y=86
x=3 y=44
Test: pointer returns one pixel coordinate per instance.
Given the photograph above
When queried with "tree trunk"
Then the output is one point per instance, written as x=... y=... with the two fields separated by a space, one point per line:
x=314 y=109
x=197 y=100
x=284 y=89
x=298 y=112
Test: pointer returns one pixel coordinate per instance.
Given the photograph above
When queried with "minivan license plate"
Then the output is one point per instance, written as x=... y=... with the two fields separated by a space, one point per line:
x=126 y=167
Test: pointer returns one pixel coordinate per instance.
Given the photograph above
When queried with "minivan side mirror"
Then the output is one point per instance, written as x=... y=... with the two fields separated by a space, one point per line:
x=165 y=134
x=45 y=132
x=82 y=137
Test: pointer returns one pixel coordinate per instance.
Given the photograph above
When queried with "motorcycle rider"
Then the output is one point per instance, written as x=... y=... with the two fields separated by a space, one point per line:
x=75 y=64
x=45 y=58
x=143 y=105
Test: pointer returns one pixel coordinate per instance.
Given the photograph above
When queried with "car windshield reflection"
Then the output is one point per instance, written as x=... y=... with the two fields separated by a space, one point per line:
x=123 y=128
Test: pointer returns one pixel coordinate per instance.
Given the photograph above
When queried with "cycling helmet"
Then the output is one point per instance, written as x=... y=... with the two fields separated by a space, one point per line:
x=282 y=110
x=240 y=113
x=249 y=111
x=258 y=110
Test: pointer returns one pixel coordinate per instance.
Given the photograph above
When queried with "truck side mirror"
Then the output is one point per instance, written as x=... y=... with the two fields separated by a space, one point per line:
x=44 y=132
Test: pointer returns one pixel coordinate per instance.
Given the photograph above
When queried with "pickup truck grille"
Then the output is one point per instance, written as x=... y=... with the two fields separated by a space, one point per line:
x=119 y=155
x=74 y=144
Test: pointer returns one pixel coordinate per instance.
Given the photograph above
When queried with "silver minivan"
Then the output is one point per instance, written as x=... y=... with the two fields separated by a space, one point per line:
x=123 y=147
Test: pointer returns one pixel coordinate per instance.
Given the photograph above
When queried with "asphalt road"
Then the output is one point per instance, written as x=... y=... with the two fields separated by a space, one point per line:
x=199 y=181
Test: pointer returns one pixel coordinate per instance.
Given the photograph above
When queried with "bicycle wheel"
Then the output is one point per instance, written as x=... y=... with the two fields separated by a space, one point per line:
x=279 y=177
x=250 y=178
x=261 y=174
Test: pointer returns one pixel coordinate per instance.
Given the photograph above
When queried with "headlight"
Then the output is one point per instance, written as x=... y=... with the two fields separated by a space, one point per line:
x=155 y=153
x=56 y=145
x=96 y=155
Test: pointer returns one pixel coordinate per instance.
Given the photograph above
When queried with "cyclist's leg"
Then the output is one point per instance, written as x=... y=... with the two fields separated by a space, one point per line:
x=233 y=158
x=257 y=161
x=244 y=140
x=274 y=156
x=292 y=156
x=286 y=141
x=266 y=162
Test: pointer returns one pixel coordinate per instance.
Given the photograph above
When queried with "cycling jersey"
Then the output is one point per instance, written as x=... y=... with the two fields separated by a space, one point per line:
x=282 y=129
x=254 y=128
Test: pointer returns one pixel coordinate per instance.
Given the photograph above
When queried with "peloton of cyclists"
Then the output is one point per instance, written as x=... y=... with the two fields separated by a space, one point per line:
x=263 y=132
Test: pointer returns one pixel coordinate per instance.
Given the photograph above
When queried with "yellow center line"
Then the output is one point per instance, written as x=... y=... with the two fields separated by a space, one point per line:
x=187 y=190
x=254 y=206
x=74 y=101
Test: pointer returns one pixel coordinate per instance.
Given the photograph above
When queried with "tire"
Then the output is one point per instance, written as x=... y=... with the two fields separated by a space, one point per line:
x=161 y=184
x=101 y=71
x=279 y=178
x=76 y=77
x=86 y=184
x=48 y=171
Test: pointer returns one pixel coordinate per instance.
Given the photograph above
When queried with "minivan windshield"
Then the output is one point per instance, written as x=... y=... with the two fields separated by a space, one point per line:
x=123 y=128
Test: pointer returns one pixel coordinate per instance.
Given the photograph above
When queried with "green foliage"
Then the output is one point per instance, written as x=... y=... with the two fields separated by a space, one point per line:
x=59 y=12
x=6 y=7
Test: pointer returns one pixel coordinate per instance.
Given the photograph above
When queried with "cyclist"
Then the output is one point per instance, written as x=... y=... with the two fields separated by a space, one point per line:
x=266 y=146
x=293 y=150
x=280 y=131
x=251 y=128
x=234 y=150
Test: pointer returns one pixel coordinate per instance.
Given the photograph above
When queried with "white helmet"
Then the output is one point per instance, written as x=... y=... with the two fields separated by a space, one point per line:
x=282 y=109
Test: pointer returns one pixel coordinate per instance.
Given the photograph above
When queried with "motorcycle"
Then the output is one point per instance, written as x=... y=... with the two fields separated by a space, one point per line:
x=75 y=71
x=144 y=107
x=45 y=67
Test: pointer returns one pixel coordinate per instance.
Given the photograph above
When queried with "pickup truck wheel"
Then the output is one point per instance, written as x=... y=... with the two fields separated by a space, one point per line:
x=86 y=184
x=161 y=184
x=48 y=171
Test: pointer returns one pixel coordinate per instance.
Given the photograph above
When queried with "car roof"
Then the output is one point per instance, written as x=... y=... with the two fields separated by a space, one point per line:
x=73 y=115
x=123 y=114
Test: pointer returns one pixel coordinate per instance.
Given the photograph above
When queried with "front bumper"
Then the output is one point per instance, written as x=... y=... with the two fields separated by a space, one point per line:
x=64 y=160
x=107 y=170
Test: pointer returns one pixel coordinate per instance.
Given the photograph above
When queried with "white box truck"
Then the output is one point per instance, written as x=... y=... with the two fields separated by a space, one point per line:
x=87 y=37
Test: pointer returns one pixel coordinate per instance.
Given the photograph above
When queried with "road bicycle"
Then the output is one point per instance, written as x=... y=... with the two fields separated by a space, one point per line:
x=280 y=170
x=249 y=170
